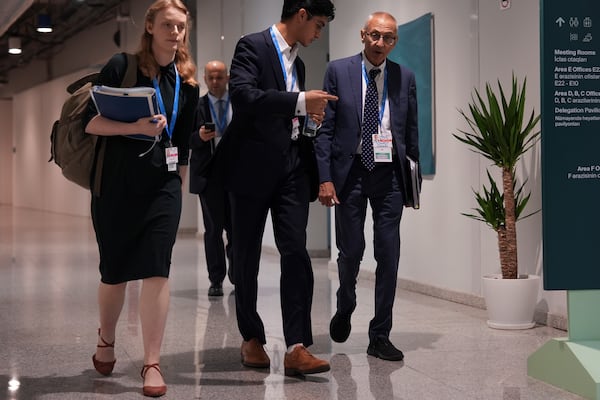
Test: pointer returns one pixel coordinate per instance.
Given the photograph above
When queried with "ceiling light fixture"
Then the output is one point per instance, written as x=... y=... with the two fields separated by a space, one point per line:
x=14 y=45
x=44 y=24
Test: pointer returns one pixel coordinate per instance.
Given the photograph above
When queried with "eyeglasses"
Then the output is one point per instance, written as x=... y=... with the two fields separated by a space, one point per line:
x=387 y=39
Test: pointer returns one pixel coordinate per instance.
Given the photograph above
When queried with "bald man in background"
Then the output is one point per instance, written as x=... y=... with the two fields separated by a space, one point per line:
x=213 y=115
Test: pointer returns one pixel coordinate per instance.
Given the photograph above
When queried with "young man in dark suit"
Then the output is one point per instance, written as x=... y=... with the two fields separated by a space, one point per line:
x=271 y=167
x=213 y=116
x=361 y=155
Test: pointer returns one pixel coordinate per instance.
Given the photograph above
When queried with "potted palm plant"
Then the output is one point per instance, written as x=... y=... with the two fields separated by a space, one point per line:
x=500 y=133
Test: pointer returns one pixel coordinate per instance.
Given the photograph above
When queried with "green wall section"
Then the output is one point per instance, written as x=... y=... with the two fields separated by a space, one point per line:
x=568 y=365
x=415 y=51
x=570 y=73
x=573 y=363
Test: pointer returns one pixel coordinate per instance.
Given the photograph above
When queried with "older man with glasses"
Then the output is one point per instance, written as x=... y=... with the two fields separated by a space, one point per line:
x=361 y=155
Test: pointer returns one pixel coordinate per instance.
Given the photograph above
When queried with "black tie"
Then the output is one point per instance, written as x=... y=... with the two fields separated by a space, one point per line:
x=370 y=120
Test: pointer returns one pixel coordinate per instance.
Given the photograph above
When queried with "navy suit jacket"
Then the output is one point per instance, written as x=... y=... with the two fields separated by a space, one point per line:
x=339 y=137
x=257 y=142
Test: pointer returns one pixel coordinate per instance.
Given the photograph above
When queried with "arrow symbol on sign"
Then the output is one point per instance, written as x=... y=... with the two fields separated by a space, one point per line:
x=560 y=21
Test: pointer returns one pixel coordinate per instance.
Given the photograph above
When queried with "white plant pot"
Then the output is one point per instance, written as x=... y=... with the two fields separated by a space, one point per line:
x=511 y=302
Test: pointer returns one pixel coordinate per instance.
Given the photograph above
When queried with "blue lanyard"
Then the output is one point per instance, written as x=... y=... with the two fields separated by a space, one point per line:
x=276 y=43
x=385 y=89
x=161 y=104
x=222 y=123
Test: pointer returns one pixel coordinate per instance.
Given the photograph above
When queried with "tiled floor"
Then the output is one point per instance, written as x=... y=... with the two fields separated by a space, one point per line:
x=48 y=281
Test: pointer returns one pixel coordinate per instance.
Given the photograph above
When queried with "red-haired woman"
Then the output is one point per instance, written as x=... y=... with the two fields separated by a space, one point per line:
x=137 y=213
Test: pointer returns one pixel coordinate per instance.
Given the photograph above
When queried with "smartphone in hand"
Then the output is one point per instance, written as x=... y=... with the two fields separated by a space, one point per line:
x=209 y=126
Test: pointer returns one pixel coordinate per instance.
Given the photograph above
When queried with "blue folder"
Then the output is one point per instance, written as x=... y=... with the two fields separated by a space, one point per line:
x=125 y=104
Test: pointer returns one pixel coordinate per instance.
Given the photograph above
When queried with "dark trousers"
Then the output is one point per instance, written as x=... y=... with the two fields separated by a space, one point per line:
x=216 y=215
x=382 y=189
x=288 y=204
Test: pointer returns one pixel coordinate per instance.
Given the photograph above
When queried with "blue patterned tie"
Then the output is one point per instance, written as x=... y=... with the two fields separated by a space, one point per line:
x=370 y=120
x=220 y=112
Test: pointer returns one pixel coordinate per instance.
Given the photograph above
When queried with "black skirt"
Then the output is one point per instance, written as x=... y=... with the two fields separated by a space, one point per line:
x=136 y=217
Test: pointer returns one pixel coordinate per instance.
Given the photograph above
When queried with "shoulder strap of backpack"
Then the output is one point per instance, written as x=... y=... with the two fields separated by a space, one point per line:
x=129 y=80
x=130 y=77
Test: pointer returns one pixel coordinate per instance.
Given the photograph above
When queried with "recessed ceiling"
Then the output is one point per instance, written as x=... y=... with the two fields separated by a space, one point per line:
x=69 y=17
x=10 y=11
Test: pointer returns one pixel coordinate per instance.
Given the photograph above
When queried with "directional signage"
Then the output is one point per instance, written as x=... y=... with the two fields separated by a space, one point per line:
x=570 y=73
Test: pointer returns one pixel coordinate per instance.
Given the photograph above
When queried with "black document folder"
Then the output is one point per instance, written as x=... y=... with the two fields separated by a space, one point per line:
x=124 y=104
x=413 y=183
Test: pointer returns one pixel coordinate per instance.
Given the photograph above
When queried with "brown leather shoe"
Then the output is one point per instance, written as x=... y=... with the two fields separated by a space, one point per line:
x=254 y=355
x=104 y=367
x=301 y=362
x=152 y=391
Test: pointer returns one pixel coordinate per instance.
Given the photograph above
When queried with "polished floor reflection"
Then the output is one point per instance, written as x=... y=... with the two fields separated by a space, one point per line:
x=48 y=281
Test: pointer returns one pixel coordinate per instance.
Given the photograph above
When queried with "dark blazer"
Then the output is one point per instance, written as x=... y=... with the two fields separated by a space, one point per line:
x=338 y=138
x=257 y=142
x=202 y=152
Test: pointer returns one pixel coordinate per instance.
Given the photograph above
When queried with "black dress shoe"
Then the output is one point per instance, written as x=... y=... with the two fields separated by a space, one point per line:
x=215 y=289
x=339 y=328
x=381 y=347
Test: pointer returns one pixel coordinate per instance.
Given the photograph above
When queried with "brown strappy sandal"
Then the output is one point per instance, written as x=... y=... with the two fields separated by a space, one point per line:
x=153 y=391
x=104 y=367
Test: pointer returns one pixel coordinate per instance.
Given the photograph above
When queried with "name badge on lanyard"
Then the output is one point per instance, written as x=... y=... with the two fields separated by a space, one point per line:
x=295 y=121
x=295 y=128
x=171 y=152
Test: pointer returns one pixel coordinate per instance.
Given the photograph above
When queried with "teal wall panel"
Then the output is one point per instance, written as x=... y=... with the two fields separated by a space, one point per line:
x=570 y=83
x=415 y=51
